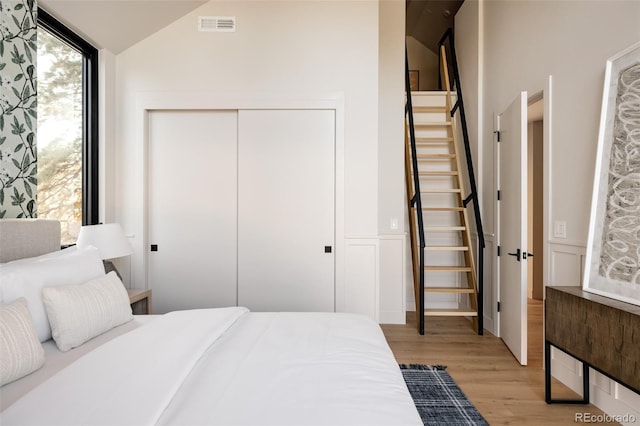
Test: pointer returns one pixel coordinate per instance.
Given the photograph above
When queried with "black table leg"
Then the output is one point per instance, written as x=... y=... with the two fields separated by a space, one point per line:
x=547 y=380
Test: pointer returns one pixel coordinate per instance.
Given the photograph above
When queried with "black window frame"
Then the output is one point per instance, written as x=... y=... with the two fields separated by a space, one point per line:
x=90 y=130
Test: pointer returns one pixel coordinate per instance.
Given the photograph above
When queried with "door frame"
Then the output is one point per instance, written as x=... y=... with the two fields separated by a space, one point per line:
x=214 y=100
x=547 y=140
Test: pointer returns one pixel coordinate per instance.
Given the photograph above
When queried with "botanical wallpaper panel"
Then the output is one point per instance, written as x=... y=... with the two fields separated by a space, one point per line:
x=18 y=102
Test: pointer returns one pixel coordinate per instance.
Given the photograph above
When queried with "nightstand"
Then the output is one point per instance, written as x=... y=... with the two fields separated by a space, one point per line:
x=140 y=301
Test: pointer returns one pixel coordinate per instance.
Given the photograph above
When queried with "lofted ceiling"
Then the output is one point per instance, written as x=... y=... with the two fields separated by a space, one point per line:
x=427 y=20
x=116 y=25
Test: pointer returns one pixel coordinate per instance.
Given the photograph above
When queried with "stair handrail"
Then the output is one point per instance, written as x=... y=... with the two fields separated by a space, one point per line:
x=416 y=198
x=473 y=196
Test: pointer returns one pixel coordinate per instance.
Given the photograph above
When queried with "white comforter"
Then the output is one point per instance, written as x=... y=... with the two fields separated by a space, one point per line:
x=229 y=366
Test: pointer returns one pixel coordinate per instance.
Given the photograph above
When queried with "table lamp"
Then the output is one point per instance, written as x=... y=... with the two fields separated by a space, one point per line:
x=109 y=239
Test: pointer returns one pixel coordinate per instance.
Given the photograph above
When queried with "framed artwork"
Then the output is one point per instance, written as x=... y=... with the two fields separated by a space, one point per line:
x=414 y=80
x=612 y=266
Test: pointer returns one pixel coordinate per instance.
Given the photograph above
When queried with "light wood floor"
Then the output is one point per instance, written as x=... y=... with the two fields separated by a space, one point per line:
x=502 y=390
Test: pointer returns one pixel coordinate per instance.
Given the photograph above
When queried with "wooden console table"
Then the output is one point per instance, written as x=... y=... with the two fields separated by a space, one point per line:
x=602 y=333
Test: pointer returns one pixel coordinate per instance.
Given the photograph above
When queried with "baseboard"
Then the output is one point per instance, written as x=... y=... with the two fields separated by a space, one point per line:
x=393 y=317
x=614 y=399
x=618 y=402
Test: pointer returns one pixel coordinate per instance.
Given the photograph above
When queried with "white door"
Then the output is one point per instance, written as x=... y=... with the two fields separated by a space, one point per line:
x=286 y=172
x=513 y=227
x=192 y=209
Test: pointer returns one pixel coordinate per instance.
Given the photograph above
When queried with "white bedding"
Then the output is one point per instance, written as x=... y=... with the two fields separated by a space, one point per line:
x=55 y=360
x=229 y=366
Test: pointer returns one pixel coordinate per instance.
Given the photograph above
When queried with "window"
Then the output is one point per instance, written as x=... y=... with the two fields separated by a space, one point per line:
x=67 y=127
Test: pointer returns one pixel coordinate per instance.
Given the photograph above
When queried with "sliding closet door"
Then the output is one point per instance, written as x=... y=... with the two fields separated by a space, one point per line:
x=286 y=210
x=192 y=209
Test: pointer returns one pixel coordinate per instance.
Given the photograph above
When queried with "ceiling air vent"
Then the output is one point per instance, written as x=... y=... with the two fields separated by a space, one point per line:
x=225 y=24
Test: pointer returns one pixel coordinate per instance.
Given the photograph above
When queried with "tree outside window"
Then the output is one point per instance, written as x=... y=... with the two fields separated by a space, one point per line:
x=60 y=114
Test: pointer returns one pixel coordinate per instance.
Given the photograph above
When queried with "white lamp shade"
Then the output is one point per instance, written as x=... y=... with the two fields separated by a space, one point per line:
x=107 y=238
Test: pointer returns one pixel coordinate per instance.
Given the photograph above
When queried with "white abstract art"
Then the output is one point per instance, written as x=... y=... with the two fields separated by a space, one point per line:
x=612 y=266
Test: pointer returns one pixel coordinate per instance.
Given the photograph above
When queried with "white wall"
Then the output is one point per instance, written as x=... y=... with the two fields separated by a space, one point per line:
x=286 y=50
x=425 y=61
x=107 y=156
x=516 y=46
x=470 y=55
x=391 y=192
x=522 y=44
x=391 y=117
x=106 y=122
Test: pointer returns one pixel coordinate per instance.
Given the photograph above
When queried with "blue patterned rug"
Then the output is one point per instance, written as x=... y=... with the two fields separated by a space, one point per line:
x=438 y=398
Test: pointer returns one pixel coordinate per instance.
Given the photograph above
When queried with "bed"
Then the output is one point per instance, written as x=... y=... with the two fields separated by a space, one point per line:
x=223 y=366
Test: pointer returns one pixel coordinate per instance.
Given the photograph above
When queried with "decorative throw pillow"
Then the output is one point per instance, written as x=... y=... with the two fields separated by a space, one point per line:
x=78 y=313
x=20 y=350
x=27 y=277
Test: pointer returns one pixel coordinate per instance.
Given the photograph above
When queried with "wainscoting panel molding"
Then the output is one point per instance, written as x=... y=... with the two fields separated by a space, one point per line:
x=566 y=265
x=393 y=279
x=362 y=285
x=491 y=284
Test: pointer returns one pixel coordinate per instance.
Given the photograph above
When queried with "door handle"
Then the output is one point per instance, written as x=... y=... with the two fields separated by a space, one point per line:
x=516 y=254
x=525 y=254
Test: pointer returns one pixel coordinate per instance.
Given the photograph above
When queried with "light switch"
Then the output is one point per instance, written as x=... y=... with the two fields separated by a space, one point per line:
x=560 y=229
x=394 y=223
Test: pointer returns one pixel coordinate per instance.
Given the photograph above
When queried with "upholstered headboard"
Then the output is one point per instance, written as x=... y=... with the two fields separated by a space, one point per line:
x=20 y=238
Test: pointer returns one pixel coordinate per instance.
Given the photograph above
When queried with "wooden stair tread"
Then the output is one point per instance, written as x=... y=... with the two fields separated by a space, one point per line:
x=428 y=93
x=450 y=313
x=434 y=156
x=441 y=191
x=433 y=124
x=448 y=268
x=443 y=209
x=429 y=108
x=441 y=173
x=443 y=228
x=447 y=248
x=449 y=290
x=433 y=140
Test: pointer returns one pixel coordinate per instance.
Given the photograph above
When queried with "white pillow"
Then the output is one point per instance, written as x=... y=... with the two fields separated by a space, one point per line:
x=27 y=278
x=78 y=313
x=20 y=351
x=51 y=255
x=11 y=282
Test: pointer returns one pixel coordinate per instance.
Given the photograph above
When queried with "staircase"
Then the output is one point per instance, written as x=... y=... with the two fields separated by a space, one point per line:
x=445 y=279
